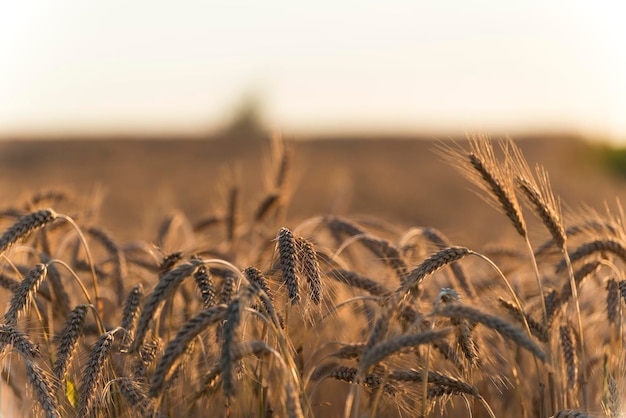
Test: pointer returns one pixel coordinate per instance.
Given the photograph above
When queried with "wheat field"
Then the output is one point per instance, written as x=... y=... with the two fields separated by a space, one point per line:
x=241 y=313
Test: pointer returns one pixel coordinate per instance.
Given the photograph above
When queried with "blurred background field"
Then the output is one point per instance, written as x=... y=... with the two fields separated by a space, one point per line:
x=400 y=180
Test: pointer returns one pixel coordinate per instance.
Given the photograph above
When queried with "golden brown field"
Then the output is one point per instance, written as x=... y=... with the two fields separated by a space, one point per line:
x=300 y=279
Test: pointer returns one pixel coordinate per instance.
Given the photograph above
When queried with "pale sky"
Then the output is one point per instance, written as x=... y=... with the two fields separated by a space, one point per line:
x=320 y=66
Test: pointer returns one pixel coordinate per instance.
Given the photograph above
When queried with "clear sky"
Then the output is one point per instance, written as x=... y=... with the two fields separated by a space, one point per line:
x=318 y=66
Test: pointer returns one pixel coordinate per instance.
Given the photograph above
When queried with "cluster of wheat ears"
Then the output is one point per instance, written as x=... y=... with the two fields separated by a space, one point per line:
x=332 y=317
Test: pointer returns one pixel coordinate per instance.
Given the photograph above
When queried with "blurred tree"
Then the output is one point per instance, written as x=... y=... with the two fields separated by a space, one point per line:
x=247 y=117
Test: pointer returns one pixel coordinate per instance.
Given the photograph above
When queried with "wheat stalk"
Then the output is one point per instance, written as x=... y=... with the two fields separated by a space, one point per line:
x=120 y=268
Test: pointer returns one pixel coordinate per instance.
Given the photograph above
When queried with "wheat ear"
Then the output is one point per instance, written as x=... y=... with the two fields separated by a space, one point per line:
x=386 y=348
x=457 y=310
x=25 y=293
x=163 y=289
x=435 y=378
x=46 y=196
x=433 y=263
x=19 y=341
x=537 y=329
x=205 y=285
x=612 y=300
x=253 y=275
x=287 y=259
x=267 y=204
x=370 y=380
x=239 y=351
x=465 y=340
x=233 y=318
x=545 y=208
x=482 y=168
x=69 y=338
x=232 y=213
x=92 y=375
x=168 y=262
x=597 y=246
x=310 y=268
x=131 y=308
x=569 y=356
x=570 y=413
x=120 y=267
x=136 y=396
x=24 y=226
x=442 y=242
x=43 y=388
x=566 y=290
x=358 y=281
x=179 y=344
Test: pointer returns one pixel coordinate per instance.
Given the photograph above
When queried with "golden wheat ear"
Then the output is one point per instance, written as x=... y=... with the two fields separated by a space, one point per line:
x=493 y=177
x=178 y=345
x=43 y=388
x=93 y=374
x=155 y=300
x=288 y=261
x=70 y=334
x=24 y=226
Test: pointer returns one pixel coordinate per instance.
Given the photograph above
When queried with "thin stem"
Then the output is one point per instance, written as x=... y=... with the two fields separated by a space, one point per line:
x=487 y=407
x=583 y=357
x=517 y=302
x=427 y=360
x=90 y=261
x=551 y=383
x=96 y=311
